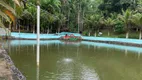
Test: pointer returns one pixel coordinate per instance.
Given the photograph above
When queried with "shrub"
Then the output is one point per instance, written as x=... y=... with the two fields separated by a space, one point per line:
x=119 y=27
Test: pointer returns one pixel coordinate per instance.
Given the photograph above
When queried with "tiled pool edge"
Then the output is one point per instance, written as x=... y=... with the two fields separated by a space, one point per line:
x=115 y=42
x=93 y=39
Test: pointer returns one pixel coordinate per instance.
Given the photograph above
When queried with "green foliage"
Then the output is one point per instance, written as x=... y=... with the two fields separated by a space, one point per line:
x=85 y=33
x=119 y=27
x=137 y=19
x=4 y=6
x=109 y=22
x=110 y=6
x=8 y=14
x=89 y=16
x=126 y=18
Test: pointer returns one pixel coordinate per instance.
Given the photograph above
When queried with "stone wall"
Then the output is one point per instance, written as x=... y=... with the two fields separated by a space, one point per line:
x=8 y=71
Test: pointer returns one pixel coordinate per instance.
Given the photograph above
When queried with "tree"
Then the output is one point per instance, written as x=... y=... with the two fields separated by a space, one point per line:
x=26 y=19
x=51 y=20
x=137 y=20
x=126 y=18
x=31 y=8
x=7 y=13
x=92 y=23
x=109 y=22
x=61 y=21
x=111 y=6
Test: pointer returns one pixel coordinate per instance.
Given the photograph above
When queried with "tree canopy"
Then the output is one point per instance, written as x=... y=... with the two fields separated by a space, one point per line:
x=85 y=16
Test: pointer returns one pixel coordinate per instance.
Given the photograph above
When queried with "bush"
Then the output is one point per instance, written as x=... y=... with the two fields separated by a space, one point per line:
x=119 y=27
x=85 y=33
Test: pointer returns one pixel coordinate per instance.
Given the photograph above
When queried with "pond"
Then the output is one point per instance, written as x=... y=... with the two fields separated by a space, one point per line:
x=76 y=60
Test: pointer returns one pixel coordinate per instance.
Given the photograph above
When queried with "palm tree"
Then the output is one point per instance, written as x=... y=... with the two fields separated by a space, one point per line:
x=26 y=17
x=19 y=12
x=109 y=22
x=92 y=23
x=126 y=18
x=31 y=8
x=137 y=20
x=7 y=13
x=51 y=20
x=51 y=6
x=61 y=20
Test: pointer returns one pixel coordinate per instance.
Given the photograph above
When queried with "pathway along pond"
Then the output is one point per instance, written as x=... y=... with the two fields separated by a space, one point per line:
x=76 y=61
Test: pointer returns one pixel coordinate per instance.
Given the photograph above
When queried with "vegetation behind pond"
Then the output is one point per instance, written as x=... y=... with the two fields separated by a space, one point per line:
x=112 y=17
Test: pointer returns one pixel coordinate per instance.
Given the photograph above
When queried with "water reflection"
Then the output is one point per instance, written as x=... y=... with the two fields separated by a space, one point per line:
x=126 y=52
x=37 y=73
x=88 y=74
x=38 y=53
x=65 y=69
x=139 y=54
x=81 y=61
x=71 y=69
x=99 y=45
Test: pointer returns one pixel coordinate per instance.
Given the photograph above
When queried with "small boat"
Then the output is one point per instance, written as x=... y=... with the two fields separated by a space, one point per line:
x=70 y=37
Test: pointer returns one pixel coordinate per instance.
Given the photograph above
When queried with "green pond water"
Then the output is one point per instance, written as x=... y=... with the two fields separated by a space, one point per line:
x=76 y=61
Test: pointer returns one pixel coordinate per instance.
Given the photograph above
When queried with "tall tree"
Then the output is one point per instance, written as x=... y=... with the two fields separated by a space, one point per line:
x=137 y=20
x=109 y=22
x=126 y=18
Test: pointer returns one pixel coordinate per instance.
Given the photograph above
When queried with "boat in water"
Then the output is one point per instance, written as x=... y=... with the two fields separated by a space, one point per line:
x=71 y=37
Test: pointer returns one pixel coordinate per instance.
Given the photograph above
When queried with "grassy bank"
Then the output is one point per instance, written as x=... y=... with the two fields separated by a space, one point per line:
x=132 y=34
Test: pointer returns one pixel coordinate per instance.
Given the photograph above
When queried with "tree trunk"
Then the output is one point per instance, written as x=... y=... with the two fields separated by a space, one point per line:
x=108 y=33
x=95 y=34
x=16 y=27
x=127 y=34
x=9 y=28
x=137 y=29
x=16 y=24
x=58 y=29
x=33 y=29
x=78 y=16
x=82 y=20
x=78 y=20
x=19 y=26
x=48 y=31
x=127 y=30
x=51 y=29
x=68 y=18
x=89 y=34
x=140 y=35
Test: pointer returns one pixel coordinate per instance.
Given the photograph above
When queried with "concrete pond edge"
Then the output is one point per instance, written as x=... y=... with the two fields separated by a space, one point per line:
x=100 y=41
x=15 y=73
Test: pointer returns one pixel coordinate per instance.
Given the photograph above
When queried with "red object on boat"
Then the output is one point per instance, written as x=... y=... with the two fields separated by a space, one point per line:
x=66 y=37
